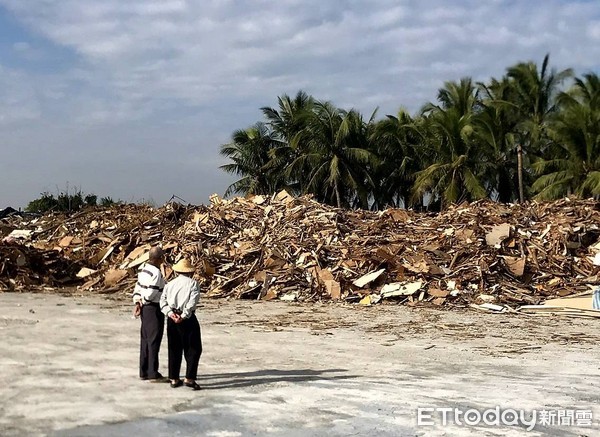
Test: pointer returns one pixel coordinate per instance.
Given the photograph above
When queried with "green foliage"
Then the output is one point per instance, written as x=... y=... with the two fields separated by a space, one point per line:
x=64 y=201
x=521 y=134
x=91 y=200
x=108 y=201
x=45 y=203
x=250 y=152
x=574 y=165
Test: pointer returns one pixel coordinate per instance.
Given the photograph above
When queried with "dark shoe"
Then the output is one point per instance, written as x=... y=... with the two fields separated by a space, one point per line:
x=143 y=378
x=177 y=383
x=158 y=378
x=193 y=385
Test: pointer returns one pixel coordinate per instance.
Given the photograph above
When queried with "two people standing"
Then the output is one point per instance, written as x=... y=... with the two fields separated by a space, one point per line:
x=177 y=300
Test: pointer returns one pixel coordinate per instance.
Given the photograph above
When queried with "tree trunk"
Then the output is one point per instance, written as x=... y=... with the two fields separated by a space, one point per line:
x=337 y=194
x=520 y=173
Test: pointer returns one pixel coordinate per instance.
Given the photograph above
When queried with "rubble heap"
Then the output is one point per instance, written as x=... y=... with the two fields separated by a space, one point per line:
x=281 y=247
x=30 y=267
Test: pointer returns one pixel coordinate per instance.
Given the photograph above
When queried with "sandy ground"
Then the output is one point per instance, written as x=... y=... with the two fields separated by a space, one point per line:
x=69 y=368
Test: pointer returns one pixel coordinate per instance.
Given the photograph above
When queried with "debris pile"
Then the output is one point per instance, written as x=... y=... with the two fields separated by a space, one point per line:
x=22 y=266
x=281 y=247
x=97 y=241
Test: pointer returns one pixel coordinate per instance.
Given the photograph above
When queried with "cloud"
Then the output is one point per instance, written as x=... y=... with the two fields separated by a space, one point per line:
x=205 y=67
x=18 y=100
x=198 y=51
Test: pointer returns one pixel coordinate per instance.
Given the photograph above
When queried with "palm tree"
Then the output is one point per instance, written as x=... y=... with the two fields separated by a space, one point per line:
x=461 y=96
x=397 y=140
x=288 y=124
x=457 y=163
x=574 y=167
x=535 y=91
x=250 y=151
x=290 y=118
x=495 y=127
x=335 y=159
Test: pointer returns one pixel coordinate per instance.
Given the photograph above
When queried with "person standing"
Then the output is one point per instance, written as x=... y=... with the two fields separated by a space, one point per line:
x=178 y=302
x=146 y=297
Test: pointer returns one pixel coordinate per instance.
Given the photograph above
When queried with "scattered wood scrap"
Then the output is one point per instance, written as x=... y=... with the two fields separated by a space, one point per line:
x=570 y=306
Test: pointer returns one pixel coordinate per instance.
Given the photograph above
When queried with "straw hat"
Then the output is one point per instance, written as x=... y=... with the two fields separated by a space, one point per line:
x=184 y=266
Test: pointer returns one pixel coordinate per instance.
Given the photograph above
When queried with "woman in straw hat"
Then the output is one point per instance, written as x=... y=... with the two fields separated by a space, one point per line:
x=178 y=302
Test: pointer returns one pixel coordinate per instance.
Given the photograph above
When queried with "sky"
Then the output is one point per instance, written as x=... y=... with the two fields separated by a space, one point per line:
x=132 y=98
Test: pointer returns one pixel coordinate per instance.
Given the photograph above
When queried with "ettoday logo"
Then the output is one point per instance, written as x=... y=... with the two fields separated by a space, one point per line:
x=497 y=417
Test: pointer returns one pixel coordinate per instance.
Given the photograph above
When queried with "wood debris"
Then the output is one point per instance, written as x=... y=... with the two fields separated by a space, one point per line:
x=282 y=247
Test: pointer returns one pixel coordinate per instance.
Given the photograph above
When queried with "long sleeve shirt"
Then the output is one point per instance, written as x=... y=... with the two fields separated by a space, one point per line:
x=149 y=286
x=181 y=295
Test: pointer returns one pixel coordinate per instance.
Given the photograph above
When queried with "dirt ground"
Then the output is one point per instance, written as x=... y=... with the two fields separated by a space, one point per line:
x=69 y=368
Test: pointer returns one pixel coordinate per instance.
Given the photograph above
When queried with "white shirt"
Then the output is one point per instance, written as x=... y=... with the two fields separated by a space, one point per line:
x=181 y=294
x=149 y=286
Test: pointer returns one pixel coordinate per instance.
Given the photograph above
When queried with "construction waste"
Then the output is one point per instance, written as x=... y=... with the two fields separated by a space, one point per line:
x=295 y=249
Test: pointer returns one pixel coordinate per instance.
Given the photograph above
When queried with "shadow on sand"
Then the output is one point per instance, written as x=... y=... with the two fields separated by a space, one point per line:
x=269 y=376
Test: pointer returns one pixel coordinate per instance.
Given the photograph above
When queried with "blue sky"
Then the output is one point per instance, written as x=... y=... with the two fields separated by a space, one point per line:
x=133 y=98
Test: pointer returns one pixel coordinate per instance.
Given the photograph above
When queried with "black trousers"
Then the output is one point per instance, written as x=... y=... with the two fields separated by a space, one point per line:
x=184 y=338
x=153 y=324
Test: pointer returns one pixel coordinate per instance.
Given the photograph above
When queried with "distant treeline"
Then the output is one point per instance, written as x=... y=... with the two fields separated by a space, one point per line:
x=533 y=133
x=64 y=201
